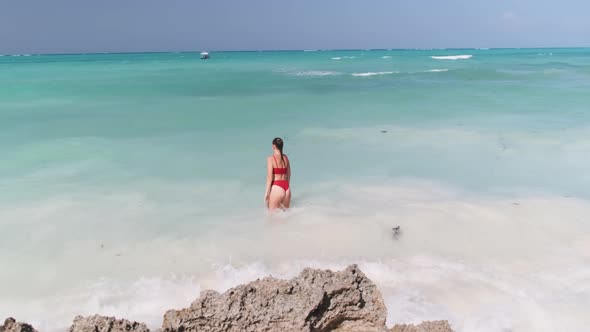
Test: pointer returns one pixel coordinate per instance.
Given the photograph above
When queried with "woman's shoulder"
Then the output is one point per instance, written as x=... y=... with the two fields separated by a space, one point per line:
x=272 y=157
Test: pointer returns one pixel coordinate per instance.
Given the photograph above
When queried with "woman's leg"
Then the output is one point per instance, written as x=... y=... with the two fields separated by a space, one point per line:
x=277 y=194
x=287 y=199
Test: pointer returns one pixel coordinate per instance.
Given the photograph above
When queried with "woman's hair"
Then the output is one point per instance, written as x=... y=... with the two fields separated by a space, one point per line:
x=278 y=142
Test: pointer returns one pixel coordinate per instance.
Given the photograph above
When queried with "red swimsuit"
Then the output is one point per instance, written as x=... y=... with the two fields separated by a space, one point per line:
x=281 y=183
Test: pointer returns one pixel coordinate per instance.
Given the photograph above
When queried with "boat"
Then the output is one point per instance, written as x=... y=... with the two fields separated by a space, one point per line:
x=204 y=55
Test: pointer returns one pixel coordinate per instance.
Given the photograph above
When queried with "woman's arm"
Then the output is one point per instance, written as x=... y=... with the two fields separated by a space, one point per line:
x=269 y=177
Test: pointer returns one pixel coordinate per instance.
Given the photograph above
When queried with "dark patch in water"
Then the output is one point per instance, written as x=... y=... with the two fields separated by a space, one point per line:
x=397 y=230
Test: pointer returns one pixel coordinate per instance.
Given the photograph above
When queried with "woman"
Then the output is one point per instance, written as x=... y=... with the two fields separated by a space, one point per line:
x=278 y=175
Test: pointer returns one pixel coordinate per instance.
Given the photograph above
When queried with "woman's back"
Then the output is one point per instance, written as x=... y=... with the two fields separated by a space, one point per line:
x=280 y=167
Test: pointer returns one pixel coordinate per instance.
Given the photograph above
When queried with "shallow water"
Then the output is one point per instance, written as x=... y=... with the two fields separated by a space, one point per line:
x=129 y=182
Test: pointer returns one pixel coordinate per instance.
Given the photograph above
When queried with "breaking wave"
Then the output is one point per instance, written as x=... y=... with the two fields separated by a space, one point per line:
x=374 y=73
x=452 y=57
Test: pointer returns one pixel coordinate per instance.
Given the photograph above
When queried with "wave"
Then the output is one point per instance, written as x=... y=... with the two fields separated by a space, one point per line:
x=310 y=50
x=437 y=70
x=374 y=73
x=284 y=70
x=296 y=72
x=414 y=288
x=343 y=57
x=316 y=73
x=386 y=57
x=452 y=57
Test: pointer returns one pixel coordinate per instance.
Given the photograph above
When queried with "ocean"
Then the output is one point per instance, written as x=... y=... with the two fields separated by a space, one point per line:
x=130 y=182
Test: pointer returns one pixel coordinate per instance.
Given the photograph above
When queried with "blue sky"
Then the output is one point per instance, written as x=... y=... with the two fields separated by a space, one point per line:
x=73 y=26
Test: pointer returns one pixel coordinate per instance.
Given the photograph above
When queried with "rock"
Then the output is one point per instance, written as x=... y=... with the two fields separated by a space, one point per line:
x=435 y=326
x=316 y=300
x=11 y=325
x=105 y=324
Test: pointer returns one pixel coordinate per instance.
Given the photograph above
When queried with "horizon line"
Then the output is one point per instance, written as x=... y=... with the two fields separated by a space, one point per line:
x=305 y=50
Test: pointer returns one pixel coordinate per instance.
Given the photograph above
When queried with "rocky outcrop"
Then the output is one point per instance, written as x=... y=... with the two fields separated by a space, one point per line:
x=316 y=300
x=435 y=326
x=11 y=325
x=106 y=324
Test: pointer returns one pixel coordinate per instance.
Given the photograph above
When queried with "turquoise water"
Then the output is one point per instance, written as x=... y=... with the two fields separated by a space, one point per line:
x=131 y=178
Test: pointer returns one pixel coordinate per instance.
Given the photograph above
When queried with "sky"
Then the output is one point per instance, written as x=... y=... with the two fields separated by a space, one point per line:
x=85 y=26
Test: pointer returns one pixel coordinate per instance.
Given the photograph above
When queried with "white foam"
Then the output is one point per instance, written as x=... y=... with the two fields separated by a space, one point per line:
x=386 y=57
x=310 y=50
x=453 y=57
x=136 y=300
x=316 y=73
x=437 y=70
x=461 y=256
x=367 y=74
x=336 y=58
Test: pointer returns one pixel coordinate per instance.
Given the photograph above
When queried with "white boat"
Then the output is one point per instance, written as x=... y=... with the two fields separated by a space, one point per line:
x=204 y=55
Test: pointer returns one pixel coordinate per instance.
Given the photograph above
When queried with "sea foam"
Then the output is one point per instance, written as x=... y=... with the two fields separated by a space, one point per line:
x=452 y=57
x=367 y=74
x=427 y=273
x=316 y=73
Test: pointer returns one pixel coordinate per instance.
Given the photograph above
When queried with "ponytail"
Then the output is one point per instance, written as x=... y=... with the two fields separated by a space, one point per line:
x=278 y=142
